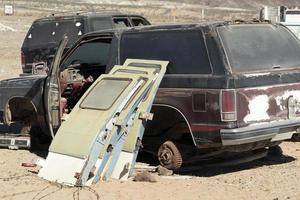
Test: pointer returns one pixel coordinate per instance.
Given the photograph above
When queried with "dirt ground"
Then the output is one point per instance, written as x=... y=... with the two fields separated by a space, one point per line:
x=274 y=177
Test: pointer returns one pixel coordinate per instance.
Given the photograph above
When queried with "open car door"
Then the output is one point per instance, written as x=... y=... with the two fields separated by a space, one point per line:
x=52 y=91
x=88 y=145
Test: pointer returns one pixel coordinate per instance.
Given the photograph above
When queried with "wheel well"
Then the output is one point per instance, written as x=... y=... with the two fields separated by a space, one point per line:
x=169 y=123
x=19 y=109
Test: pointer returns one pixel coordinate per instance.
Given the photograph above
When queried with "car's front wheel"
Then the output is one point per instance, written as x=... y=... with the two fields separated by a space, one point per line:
x=169 y=156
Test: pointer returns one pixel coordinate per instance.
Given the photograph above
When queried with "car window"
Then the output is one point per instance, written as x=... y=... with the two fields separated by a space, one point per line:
x=45 y=33
x=101 y=24
x=93 y=53
x=121 y=22
x=260 y=47
x=138 y=21
x=108 y=90
x=186 y=50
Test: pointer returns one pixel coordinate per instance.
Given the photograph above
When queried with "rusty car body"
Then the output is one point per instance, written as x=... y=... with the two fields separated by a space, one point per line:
x=229 y=87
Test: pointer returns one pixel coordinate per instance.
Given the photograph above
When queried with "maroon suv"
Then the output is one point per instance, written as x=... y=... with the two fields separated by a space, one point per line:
x=229 y=87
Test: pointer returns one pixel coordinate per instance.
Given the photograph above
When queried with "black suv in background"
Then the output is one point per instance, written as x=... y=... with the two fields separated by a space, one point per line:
x=44 y=34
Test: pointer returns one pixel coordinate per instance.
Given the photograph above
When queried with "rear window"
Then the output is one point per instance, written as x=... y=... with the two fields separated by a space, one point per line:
x=260 y=47
x=185 y=50
x=46 y=33
x=121 y=22
x=139 y=22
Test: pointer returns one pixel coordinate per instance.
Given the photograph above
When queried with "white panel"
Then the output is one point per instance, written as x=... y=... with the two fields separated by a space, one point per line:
x=61 y=168
x=123 y=166
x=97 y=165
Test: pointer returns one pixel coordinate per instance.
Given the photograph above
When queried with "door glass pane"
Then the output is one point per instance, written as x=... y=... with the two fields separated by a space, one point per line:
x=121 y=22
x=105 y=93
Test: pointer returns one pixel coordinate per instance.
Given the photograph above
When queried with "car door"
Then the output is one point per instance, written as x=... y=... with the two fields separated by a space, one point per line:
x=99 y=123
x=52 y=91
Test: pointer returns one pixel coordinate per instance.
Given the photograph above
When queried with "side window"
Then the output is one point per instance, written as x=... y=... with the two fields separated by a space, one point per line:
x=101 y=24
x=121 y=22
x=90 y=54
x=185 y=49
x=138 y=21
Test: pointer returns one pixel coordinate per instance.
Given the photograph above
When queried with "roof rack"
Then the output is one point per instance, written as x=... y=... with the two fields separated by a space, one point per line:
x=253 y=21
x=79 y=12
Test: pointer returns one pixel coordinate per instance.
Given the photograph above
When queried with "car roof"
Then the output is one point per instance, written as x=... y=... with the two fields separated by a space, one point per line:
x=157 y=27
x=177 y=26
x=80 y=14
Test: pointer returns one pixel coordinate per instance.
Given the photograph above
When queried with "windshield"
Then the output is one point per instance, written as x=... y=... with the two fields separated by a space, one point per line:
x=260 y=47
x=92 y=53
x=43 y=33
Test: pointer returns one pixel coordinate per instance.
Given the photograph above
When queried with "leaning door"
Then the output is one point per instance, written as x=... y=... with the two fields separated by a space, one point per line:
x=52 y=91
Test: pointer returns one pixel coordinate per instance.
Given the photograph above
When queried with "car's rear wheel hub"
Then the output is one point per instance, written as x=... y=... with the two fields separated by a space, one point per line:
x=169 y=156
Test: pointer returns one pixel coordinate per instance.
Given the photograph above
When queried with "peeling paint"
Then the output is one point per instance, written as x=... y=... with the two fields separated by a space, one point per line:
x=258 y=107
x=257 y=88
x=281 y=100
x=257 y=74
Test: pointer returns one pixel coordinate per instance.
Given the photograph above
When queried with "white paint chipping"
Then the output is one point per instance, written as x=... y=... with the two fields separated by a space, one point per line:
x=257 y=74
x=258 y=88
x=281 y=100
x=258 y=107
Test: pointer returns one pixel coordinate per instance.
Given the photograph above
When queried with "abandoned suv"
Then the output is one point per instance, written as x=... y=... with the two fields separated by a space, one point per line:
x=229 y=87
x=44 y=34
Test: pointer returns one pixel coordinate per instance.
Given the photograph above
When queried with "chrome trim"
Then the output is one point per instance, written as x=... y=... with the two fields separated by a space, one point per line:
x=258 y=132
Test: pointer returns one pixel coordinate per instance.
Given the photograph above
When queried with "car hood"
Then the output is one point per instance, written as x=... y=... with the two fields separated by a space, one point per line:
x=22 y=81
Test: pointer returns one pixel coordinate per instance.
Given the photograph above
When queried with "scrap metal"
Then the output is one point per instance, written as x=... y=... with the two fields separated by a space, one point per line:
x=102 y=135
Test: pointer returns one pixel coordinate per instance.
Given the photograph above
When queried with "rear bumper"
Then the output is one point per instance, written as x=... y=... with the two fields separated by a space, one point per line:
x=273 y=131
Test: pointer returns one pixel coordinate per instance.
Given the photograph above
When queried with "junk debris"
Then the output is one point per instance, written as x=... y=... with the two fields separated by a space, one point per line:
x=103 y=133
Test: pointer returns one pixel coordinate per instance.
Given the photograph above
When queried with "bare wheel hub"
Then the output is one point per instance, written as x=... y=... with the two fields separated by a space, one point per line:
x=169 y=156
x=166 y=156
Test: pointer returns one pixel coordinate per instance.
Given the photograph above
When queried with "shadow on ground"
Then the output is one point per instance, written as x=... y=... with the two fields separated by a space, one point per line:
x=216 y=167
x=213 y=169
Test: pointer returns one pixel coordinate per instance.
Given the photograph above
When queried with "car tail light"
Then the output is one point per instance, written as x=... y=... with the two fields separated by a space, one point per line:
x=228 y=105
x=22 y=59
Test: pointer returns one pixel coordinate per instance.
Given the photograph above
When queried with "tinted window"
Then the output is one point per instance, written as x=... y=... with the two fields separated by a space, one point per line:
x=138 y=22
x=52 y=32
x=104 y=94
x=185 y=50
x=101 y=24
x=94 y=53
x=260 y=47
x=121 y=22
